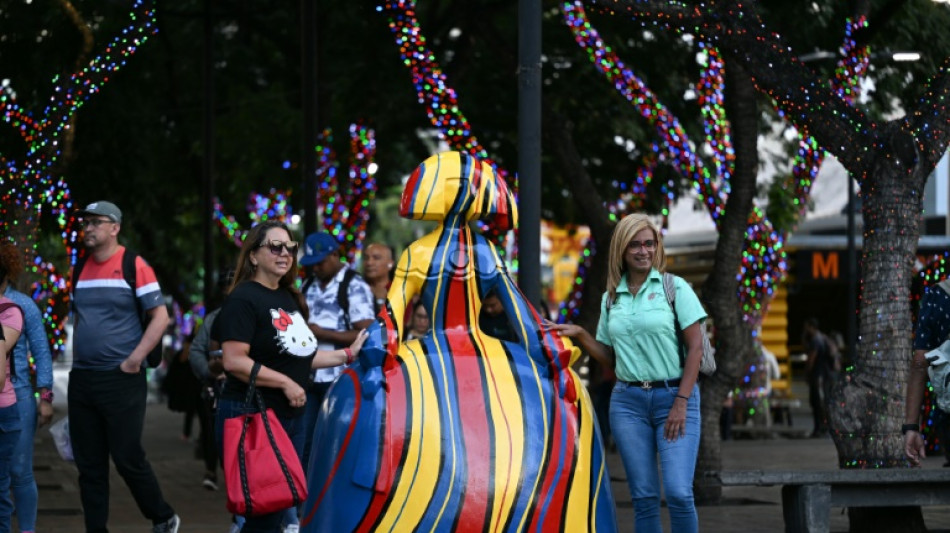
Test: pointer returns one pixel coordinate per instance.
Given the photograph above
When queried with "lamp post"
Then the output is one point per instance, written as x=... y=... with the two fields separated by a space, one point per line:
x=308 y=68
x=852 y=268
x=529 y=149
x=207 y=170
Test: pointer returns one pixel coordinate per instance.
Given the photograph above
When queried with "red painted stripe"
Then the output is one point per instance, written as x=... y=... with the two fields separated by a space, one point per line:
x=548 y=518
x=477 y=434
x=396 y=433
x=554 y=516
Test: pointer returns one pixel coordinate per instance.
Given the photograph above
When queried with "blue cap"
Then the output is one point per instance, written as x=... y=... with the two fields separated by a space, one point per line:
x=317 y=246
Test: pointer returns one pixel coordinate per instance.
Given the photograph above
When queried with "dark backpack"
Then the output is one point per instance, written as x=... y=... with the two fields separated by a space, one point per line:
x=3 y=307
x=342 y=294
x=154 y=357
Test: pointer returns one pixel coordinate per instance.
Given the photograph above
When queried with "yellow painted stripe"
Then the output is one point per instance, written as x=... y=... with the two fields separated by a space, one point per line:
x=417 y=477
x=578 y=496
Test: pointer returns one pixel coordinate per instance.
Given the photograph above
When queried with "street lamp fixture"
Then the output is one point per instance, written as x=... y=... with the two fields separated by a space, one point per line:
x=909 y=56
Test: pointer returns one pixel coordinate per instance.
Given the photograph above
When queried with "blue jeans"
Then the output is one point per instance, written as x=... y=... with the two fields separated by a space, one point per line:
x=9 y=434
x=637 y=417
x=23 y=484
x=294 y=426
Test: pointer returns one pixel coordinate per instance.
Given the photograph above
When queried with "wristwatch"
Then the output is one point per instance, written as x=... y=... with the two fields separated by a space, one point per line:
x=910 y=427
x=47 y=396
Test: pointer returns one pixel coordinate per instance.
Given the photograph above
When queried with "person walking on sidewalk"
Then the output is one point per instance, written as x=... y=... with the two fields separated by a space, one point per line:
x=107 y=385
x=205 y=358
x=654 y=407
x=821 y=368
x=33 y=342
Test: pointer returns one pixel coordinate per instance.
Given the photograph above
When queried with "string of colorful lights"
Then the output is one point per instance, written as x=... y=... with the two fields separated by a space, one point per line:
x=29 y=183
x=344 y=210
x=440 y=100
x=763 y=261
x=849 y=71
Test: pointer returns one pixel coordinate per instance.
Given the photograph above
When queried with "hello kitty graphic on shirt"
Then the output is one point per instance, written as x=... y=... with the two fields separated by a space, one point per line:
x=293 y=335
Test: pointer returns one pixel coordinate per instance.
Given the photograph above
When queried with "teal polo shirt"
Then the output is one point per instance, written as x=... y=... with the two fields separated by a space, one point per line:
x=639 y=328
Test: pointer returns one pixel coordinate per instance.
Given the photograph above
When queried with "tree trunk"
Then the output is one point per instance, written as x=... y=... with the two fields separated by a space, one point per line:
x=867 y=406
x=734 y=350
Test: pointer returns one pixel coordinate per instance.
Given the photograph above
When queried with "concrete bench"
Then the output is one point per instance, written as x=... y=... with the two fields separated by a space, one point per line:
x=808 y=496
x=772 y=431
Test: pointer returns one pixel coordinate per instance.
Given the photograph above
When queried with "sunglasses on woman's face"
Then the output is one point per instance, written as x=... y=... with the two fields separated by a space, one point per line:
x=275 y=247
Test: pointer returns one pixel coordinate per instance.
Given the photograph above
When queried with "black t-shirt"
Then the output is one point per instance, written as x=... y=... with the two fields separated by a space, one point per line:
x=271 y=323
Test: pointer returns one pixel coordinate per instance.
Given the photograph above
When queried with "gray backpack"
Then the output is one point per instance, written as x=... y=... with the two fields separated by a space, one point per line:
x=708 y=364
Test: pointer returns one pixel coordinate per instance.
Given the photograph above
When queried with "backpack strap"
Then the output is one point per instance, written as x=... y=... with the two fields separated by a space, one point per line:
x=3 y=307
x=128 y=272
x=669 y=288
x=343 y=297
x=77 y=271
x=305 y=286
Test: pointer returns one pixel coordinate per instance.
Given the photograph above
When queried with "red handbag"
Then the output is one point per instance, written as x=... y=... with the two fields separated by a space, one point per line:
x=261 y=469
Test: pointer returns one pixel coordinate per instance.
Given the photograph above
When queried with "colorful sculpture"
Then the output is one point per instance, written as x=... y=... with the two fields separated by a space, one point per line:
x=458 y=430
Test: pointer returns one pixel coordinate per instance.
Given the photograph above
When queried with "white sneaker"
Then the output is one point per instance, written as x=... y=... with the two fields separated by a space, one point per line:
x=171 y=526
x=292 y=528
x=209 y=483
x=235 y=528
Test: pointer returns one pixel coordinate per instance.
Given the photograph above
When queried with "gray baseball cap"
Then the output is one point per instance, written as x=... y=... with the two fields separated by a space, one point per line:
x=102 y=208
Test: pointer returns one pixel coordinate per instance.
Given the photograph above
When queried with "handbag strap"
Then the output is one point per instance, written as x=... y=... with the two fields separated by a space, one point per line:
x=255 y=395
x=252 y=384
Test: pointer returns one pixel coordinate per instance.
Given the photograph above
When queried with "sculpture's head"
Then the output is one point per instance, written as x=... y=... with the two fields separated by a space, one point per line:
x=457 y=183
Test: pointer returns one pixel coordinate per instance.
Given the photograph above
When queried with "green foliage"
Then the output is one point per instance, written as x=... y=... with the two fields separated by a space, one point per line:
x=783 y=208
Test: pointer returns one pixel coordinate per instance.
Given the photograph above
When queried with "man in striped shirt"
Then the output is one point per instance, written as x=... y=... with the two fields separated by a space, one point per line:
x=107 y=384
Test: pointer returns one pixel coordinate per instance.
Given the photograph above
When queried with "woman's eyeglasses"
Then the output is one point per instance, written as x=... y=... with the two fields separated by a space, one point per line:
x=646 y=245
x=275 y=247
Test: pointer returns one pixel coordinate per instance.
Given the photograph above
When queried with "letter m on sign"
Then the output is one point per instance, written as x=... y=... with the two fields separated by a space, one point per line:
x=824 y=266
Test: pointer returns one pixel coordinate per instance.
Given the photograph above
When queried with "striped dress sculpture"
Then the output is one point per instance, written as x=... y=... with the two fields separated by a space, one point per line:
x=458 y=430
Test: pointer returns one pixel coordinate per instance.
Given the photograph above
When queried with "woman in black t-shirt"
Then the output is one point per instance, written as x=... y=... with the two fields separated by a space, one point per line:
x=264 y=319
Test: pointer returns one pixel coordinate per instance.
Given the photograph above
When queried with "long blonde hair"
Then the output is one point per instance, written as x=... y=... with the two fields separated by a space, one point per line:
x=629 y=226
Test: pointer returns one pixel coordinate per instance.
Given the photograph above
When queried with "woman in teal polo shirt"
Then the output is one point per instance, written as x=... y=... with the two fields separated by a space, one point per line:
x=654 y=407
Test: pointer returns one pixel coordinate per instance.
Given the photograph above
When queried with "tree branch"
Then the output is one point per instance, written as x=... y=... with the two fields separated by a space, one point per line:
x=737 y=29
x=929 y=120
x=557 y=132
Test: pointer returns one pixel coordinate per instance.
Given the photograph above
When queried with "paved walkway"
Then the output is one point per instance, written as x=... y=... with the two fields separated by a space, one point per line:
x=750 y=509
